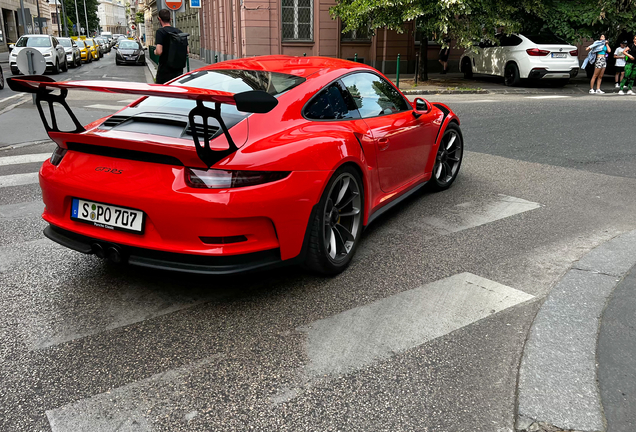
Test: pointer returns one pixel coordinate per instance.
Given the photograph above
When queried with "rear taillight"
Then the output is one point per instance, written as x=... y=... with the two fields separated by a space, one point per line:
x=536 y=52
x=574 y=53
x=220 y=179
x=57 y=155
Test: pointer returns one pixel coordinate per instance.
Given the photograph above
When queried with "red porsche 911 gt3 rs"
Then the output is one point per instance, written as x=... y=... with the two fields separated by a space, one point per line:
x=241 y=165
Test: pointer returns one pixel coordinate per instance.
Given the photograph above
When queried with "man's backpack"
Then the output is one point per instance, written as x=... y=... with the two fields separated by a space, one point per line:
x=178 y=51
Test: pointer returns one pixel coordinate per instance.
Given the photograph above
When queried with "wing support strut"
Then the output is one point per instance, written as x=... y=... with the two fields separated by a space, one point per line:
x=208 y=156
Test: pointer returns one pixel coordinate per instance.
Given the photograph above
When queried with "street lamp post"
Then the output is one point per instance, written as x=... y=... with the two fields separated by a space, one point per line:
x=64 y=18
x=86 y=18
x=77 y=23
x=57 y=12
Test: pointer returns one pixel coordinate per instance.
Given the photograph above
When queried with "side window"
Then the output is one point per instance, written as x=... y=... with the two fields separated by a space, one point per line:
x=510 y=40
x=54 y=42
x=332 y=103
x=373 y=95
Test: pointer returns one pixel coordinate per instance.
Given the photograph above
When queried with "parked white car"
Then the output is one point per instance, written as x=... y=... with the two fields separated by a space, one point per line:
x=518 y=57
x=73 y=54
x=50 y=48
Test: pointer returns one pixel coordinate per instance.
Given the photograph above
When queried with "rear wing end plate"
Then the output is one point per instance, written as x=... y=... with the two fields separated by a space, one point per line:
x=254 y=101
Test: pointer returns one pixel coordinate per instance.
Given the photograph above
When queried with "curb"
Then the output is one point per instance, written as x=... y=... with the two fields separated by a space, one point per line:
x=151 y=68
x=558 y=388
x=429 y=92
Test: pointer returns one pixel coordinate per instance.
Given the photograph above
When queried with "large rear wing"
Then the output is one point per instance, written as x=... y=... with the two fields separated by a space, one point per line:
x=250 y=101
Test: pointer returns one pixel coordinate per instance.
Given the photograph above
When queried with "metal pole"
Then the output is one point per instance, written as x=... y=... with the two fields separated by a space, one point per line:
x=397 y=80
x=355 y=57
x=24 y=25
x=37 y=5
x=86 y=18
x=65 y=19
x=216 y=58
x=77 y=23
x=174 y=18
x=57 y=12
x=417 y=66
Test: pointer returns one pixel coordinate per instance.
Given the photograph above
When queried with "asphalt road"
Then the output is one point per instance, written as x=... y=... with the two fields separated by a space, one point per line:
x=424 y=332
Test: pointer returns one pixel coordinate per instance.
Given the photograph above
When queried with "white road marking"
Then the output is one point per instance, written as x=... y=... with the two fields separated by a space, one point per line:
x=18 y=179
x=21 y=210
x=122 y=409
x=546 y=97
x=22 y=159
x=17 y=104
x=358 y=337
x=11 y=97
x=105 y=107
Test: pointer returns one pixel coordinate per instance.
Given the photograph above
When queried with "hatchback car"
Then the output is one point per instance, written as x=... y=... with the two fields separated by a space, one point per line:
x=53 y=52
x=85 y=53
x=73 y=54
x=130 y=52
x=93 y=48
x=516 y=57
x=242 y=165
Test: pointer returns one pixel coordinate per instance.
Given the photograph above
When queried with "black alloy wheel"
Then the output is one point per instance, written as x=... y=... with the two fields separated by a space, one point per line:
x=511 y=75
x=467 y=68
x=337 y=225
x=448 y=159
x=1 y=79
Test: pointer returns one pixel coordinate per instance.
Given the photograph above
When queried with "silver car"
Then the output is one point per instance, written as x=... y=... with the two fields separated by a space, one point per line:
x=53 y=52
x=73 y=54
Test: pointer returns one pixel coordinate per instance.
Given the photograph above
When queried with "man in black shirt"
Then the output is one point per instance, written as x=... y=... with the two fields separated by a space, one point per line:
x=162 y=39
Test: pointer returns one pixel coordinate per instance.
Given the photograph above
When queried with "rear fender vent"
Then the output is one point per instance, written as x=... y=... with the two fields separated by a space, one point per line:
x=115 y=120
x=212 y=131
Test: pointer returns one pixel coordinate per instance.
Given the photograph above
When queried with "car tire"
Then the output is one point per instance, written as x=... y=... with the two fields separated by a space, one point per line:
x=56 y=68
x=333 y=241
x=65 y=65
x=1 y=80
x=15 y=71
x=448 y=159
x=511 y=75
x=467 y=68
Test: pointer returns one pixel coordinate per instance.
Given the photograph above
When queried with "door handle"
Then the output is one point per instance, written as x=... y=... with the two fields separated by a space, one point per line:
x=383 y=143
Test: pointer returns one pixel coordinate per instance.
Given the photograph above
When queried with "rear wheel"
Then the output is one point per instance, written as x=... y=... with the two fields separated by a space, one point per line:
x=511 y=75
x=448 y=159
x=56 y=67
x=336 y=228
x=65 y=65
x=467 y=68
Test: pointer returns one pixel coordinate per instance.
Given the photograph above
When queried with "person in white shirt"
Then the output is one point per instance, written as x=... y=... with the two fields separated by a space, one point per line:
x=620 y=63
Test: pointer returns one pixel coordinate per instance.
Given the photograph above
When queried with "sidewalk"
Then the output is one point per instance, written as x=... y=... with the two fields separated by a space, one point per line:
x=577 y=372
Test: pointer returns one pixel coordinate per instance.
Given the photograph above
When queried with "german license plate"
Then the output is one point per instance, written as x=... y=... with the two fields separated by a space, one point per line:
x=107 y=216
x=559 y=55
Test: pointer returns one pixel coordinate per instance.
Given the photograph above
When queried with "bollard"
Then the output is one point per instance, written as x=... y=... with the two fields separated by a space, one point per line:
x=188 y=64
x=216 y=58
x=397 y=72
x=304 y=54
x=417 y=66
x=355 y=57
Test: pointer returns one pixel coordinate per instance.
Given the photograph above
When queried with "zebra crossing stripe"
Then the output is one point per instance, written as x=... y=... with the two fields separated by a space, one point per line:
x=18 y=179
x=22 y=159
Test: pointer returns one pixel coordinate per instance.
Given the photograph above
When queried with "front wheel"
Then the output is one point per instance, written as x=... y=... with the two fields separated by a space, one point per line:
x=56 y=68
x=336 y=228
x=65 y=65
x=448 y=159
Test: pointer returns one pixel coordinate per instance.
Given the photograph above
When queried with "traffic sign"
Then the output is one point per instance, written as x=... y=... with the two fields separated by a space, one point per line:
x=33 y=56
x=195 y=4
x=174 y=5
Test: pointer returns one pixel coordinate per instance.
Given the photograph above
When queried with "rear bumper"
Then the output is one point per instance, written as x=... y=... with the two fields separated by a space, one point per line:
x=542 y=73
x=187 y=263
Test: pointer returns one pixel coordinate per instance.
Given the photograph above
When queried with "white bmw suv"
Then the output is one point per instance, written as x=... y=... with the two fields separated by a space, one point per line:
x=517 y=57
x=50 y=48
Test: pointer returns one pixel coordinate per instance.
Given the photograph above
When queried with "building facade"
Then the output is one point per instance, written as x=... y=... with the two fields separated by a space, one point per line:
x=11 y=27
x=112 y=16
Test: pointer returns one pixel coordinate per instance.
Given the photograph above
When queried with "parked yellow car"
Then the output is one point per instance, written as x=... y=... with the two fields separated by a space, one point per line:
x=93 y=47
x=86 y=57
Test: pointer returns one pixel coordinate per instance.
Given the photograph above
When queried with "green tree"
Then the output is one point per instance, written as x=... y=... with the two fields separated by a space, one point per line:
x=139 y=19
x=91 y=9
x=465 y=21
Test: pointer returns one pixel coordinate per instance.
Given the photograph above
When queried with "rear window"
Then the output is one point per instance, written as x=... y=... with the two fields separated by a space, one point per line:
x=89 y=42
x=126 y=44
x=34 y=42
x=231 y=80
x=65 y=42
x=546 y=39
x=80 y=43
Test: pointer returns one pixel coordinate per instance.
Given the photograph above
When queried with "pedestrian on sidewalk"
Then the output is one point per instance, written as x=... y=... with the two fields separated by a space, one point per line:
x=165 y=70
x=630 y=68
x=620 y=64
x=599 y=48
x=443 y=55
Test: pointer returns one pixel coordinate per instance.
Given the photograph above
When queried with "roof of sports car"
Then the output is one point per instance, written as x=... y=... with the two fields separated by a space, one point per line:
x=299 y=66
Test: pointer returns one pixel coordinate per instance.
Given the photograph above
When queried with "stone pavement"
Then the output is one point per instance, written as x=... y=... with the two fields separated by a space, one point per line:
x=577 y=371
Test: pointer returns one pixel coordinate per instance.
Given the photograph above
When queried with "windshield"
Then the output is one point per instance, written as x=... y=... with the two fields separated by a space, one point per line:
x=89 y=42
x=546 y=39
x=233 y=81
x=128 y=44
x=34 y=42
x=65 y=42
x=80 y=43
